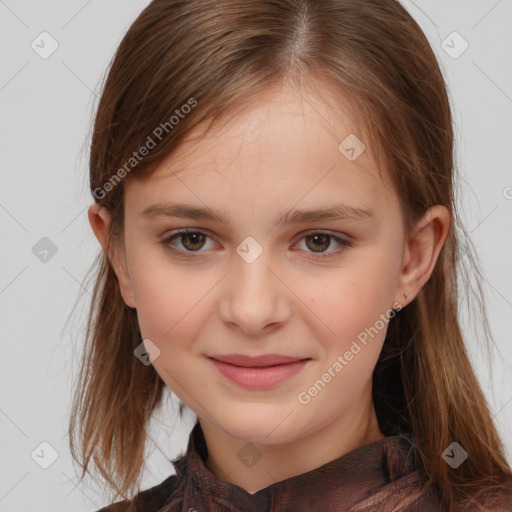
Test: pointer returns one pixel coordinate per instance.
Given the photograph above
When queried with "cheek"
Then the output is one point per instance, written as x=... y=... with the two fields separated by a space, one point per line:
x=169 y=298
x=171 y=311
x=348 y=299
x=350 y=321
x=351 y=313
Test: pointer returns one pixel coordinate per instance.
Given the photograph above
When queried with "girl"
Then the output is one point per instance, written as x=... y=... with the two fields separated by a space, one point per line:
x=274 y=195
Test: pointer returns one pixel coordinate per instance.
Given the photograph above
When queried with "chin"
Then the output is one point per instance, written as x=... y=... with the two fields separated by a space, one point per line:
x=260 y=427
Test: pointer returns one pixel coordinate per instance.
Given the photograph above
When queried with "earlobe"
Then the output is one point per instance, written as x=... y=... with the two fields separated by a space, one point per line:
x=99 y=219
x=421 y=252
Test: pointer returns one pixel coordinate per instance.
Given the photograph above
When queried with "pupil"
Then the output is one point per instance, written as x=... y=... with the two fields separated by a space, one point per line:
x=195 y=238
x=317 y=240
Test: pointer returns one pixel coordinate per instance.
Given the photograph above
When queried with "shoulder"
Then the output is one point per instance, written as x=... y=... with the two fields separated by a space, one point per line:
x=120 y=506
x=503 y=498
x=148 y=500
x=497 y=499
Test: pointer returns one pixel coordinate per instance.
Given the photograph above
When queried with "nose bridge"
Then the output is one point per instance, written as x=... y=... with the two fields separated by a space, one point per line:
x=252 y=274
x=255 y=294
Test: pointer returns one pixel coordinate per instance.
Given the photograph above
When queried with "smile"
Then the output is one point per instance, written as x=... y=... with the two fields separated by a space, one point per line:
x=259 y=377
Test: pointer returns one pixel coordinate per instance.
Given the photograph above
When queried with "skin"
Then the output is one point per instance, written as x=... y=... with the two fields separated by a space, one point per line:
x=281 y=153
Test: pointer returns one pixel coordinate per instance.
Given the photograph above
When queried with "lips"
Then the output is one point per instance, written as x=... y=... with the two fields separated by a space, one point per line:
x=262 y=361
x=258 y=373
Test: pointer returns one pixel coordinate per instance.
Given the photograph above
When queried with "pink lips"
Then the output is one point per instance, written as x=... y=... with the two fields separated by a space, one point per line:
x=258 y=372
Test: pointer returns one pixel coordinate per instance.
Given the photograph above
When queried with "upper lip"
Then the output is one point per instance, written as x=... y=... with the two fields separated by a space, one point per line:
x=253 y=361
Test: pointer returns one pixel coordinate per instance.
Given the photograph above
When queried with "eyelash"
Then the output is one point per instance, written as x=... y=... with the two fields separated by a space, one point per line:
x=166 y=242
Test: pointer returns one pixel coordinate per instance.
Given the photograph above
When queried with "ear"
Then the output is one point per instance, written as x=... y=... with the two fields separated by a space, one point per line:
x=99 y=218
x=421 y=251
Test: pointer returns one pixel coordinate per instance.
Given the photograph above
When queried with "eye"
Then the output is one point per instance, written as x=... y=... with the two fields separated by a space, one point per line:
x=193 y=240
x=319 y=241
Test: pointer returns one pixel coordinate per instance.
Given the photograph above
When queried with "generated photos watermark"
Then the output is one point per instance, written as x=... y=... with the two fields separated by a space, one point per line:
x=304 y=397
x=138 y=155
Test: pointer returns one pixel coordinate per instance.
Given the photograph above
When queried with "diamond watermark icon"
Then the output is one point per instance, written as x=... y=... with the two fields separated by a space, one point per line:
x=44 y=455
x=44 y=249
x=351 y=147
x=454 y=45
x=249 y=250
x=44 y=45
x=249 y=455
x=147 y=352
x=454 y=455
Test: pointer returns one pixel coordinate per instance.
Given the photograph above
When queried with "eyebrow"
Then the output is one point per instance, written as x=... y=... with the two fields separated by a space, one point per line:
x=337 y=212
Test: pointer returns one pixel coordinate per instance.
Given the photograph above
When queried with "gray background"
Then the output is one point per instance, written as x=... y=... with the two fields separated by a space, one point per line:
x=46 y=107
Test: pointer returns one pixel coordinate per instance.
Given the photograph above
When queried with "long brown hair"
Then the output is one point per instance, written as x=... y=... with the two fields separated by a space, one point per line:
x=214 y=55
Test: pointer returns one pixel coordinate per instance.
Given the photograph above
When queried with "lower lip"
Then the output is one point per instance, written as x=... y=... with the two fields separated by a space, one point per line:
x=259 y=378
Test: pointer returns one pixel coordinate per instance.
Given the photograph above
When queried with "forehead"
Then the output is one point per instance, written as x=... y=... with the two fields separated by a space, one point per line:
x=280 y=148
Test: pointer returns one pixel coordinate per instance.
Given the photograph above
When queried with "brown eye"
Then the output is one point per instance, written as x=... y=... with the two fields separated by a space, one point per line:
x=192 y=241
x=319 y=242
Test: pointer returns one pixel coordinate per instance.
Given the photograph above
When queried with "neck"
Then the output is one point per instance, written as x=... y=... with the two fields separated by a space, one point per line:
x=347 y=432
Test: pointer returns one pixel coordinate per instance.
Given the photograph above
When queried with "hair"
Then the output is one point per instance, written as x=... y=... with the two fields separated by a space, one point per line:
x=218 y=55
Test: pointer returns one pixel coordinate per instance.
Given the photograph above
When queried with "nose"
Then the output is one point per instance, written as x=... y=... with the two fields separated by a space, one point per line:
x=255 y=299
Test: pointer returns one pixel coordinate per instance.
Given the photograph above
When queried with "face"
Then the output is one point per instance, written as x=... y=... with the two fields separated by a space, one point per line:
x=266 y=279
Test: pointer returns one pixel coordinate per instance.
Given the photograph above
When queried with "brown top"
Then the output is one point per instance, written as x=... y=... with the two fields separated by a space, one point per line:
x=381 y=476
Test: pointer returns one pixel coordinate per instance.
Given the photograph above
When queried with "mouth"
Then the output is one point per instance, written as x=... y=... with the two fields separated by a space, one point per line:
x=262 y=361
x=258 y=372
